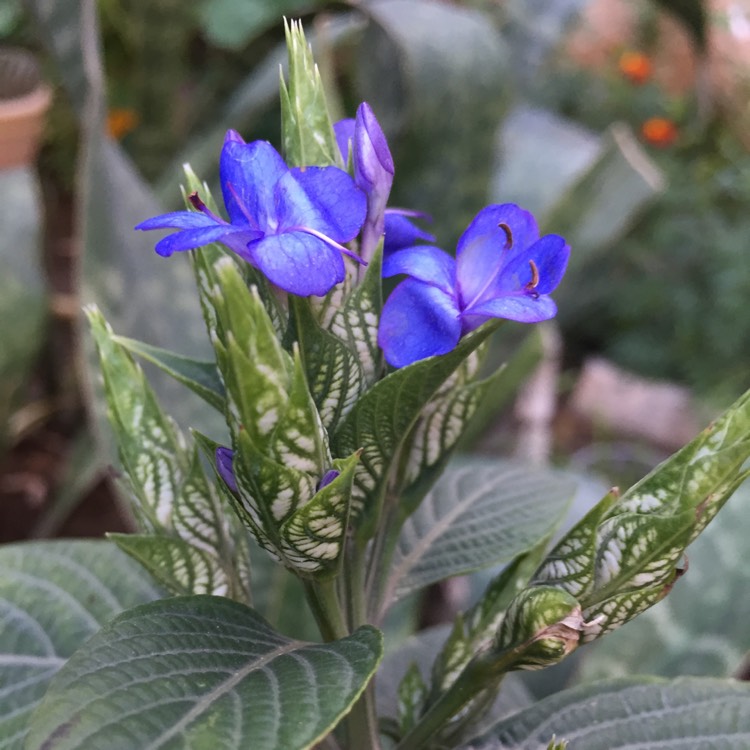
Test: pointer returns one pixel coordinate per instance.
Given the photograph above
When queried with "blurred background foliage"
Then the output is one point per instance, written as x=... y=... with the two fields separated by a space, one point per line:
x=630 y=137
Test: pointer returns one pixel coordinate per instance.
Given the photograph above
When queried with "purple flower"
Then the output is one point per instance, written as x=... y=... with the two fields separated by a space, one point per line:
x=225 y=467
x=502 y=269
x=401 y=232
x=288 y=223
x=373 y=173
x=373 y=170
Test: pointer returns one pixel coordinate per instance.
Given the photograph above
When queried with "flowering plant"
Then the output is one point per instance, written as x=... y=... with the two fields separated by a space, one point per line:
x=343 y=411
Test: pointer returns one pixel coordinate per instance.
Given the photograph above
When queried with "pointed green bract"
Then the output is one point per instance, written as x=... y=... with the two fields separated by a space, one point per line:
x=623 y=556
x=150 y=445
x=333 y=371
x=173 y=498
x=355 y=319
x=200 y=376
x=210 y=663
x=313 y=538
x=174 y=563
x=307 y=133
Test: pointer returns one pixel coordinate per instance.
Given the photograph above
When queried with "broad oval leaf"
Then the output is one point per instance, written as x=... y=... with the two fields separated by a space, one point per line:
x=482 y=511
x=53 y=596
x=689 y=714
x=202 y=671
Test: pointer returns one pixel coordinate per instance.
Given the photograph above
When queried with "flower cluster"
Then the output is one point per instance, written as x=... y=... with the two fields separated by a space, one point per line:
x=292 y=225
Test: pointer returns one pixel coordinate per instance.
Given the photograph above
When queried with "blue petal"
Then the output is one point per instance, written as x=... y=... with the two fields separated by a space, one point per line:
x=249 y=173
x=550 y=255
x=401 y=232
x=522 y=308
x=321 y=198
x=192 y=238
x=485 y=248
x=426 y=263
x=298 y=263
x=178 y=220
x=417 y=321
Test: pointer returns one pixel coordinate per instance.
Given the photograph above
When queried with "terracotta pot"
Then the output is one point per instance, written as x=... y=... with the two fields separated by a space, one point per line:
x=24 y=100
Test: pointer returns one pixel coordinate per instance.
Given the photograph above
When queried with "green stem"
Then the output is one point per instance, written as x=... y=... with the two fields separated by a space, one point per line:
x=478 y=674
x=362 y=721
x=326 y=608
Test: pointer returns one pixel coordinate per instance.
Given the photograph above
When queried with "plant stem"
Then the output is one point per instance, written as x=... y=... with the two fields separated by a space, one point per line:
x=362 y=722
x=477 y=675
x=326 y=608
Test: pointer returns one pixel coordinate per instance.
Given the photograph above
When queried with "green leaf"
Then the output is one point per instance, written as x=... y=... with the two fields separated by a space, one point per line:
x=174 y=563
x=53 y=596
x=690 y=714
x=411 y=694
x=701 y=627
x=482 y=511
x=200 y=376
x=334 y=373
x=385 y=414
x=313 y=538
x=202 y=671
x=307 y=132
x=355 y=318
x=440 y=426
x=623 y=556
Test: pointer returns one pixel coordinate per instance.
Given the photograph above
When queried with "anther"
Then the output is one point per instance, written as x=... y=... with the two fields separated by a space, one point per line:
x=534 y=283
x=508 y=235
x=196 y=202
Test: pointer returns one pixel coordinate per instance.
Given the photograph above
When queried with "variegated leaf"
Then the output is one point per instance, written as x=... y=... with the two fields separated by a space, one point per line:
x=179 y=566
x=151 y=447
x=356 y=319
x=623 y=556
x=165 y=477
x=541 y=627
x=313 y=538
x=440 y=426
x=411 y=696
x=201 y=377
x=475 y=630
x=333 y=372
x=307 y=132
x=383 y=417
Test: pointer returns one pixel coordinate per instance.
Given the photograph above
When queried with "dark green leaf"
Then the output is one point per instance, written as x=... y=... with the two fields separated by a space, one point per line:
x=202 y=671
x=482 y=511
x=53 y=596
x=689 y=714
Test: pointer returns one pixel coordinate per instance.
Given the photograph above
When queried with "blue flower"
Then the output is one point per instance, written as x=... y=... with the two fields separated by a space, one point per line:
x=373 y=173
x=288 y=223
x=502 y=269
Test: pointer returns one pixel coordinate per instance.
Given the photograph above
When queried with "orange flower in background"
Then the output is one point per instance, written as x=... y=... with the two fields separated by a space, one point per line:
x=635 y=66
x=120 y=121
x=659 y=131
